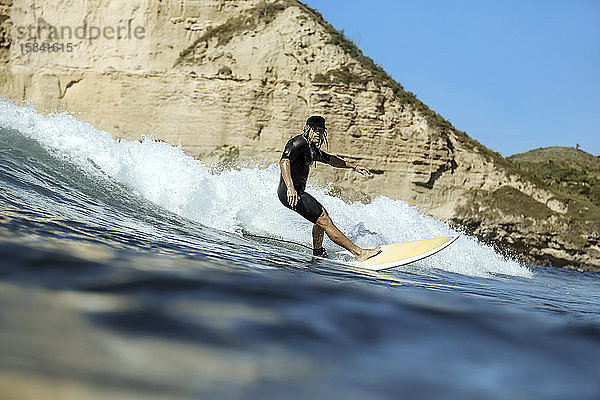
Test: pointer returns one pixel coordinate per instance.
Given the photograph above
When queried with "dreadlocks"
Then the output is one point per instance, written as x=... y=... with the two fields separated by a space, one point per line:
x=314 y=122
x=306 y=133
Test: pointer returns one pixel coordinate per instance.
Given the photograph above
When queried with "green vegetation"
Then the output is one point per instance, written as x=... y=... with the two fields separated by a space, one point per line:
x=264 y=13
x=572 y=176
x=568 y=171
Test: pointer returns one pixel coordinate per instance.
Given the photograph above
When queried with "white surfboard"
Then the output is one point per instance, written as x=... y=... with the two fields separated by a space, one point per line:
x=394 y=255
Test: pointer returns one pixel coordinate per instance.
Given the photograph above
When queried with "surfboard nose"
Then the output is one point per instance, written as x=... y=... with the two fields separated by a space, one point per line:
x=394 y=255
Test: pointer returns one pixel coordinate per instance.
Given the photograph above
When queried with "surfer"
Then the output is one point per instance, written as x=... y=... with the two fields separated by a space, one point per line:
x=301 y=151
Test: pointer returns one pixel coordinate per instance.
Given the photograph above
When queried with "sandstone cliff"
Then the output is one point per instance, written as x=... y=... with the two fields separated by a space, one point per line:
x=238 y=78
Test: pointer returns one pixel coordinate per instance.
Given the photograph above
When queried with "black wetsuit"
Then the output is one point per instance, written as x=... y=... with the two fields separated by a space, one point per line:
x=301 y=154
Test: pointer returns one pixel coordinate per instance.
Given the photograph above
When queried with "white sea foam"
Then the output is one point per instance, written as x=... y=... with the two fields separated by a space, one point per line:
x=245 y=199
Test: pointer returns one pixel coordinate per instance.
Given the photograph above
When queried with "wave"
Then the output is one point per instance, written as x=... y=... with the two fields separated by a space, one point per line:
x=237 y=200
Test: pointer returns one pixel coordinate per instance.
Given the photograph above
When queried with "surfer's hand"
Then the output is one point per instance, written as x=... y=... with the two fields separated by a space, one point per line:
x=361 y=170
x=292 y=196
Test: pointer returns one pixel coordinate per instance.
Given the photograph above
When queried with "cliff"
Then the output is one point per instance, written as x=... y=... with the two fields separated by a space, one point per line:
x=236 y=79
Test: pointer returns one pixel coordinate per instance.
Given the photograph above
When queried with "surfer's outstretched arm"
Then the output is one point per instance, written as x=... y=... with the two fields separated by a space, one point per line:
x=338 y=162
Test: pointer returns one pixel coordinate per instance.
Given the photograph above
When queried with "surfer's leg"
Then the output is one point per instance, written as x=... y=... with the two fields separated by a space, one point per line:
x=312 y=210
x=339 y=238
x=317 y=234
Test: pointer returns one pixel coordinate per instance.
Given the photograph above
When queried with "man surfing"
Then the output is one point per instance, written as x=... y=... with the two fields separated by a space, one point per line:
x=301 y=151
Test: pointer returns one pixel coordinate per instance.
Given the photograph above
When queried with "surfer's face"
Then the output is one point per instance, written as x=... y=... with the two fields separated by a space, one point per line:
x=317 y=135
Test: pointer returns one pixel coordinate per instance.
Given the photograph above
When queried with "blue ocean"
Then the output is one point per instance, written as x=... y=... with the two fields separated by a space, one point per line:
x=129 y=270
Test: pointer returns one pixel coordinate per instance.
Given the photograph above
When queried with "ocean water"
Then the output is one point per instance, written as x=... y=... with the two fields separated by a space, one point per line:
x=130 y=270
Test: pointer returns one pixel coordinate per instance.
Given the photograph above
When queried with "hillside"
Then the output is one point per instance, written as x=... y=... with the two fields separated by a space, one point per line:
x=566 y=170
x=233 y=80
x=573 y=178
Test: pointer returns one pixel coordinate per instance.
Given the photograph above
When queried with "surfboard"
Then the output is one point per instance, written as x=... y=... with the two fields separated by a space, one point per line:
x=394 y=255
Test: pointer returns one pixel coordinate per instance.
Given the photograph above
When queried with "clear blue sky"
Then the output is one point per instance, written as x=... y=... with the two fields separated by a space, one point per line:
x=514 y=74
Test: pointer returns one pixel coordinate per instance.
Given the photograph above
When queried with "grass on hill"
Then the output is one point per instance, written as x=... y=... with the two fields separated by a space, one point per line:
x=566 y=170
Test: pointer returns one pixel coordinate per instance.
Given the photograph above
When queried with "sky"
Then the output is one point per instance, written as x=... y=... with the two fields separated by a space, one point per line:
x=514 y=74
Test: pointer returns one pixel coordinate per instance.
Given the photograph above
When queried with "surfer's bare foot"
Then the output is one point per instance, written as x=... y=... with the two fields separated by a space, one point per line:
x=365 y=254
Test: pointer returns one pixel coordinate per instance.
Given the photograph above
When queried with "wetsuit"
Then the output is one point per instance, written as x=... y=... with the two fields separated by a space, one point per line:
x=301 y=154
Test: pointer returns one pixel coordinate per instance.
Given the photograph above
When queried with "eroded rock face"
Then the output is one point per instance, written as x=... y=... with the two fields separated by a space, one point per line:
x=240 y=77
